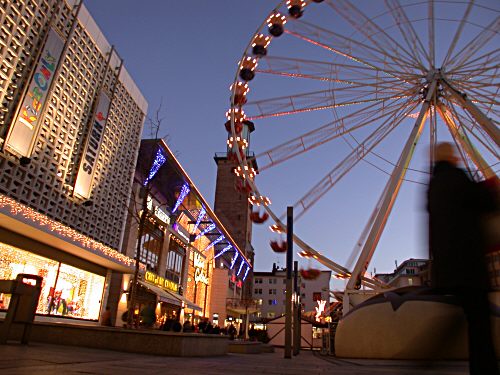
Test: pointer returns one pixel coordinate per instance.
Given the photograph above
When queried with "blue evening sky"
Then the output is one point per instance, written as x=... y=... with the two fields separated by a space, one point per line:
x=184 y=55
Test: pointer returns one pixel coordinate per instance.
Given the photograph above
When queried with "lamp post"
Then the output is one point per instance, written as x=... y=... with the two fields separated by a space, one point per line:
x=289 y=263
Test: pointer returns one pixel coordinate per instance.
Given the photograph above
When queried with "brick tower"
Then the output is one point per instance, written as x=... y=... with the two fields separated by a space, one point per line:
x=231 y=204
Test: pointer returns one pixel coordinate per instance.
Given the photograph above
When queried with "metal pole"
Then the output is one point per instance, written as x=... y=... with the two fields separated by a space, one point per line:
x=296 y=315
x=289 y=264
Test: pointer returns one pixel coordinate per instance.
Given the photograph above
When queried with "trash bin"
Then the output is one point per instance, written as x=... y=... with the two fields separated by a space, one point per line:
x=25 y=292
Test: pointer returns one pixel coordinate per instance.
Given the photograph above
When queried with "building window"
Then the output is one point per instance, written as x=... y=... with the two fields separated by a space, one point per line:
x=175 y=259
x=273 y=281
x=272 y=291
x=317 y=296
x=271 y=314
x=258 y=280
x=258 y=291
x=272 y=302
x=151 y=245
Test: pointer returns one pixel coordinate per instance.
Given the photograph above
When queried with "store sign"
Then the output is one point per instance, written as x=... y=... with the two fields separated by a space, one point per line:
x=162 y=215
x=22 y=134
x=199 y=269
x=161 y=282
x=88 y=164
x=181 y=233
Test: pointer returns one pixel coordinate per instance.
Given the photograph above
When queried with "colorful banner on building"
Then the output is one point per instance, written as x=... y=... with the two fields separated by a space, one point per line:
x=88 y=163
x=22 y=133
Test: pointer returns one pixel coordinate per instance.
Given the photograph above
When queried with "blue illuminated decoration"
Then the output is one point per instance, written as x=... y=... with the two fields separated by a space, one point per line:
x=227 y=248
x=246 y=273
x=219 y=239
x=201 y=215
x=160 y=159
x=234 y=259
x=206 y=230
x=241 y=266
x=183 y=194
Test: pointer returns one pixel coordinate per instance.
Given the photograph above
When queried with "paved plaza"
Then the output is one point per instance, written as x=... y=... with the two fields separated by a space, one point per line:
x=52 y=359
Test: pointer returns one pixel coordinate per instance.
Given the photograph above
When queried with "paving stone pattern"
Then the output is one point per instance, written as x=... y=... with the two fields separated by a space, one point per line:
x=41 y=359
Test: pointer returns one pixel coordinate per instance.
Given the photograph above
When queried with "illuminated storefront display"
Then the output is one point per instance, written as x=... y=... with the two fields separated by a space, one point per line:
x=66 y=290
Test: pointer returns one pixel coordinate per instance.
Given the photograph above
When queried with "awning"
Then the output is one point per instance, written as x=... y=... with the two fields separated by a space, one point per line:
x=170 y=297
x=161 y=293
x=189 y=304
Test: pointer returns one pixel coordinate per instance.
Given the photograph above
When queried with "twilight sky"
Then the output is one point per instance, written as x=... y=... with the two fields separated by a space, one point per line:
x=184 y=55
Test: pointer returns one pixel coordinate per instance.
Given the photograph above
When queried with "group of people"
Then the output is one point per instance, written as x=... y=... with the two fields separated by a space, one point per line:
x=204 y=326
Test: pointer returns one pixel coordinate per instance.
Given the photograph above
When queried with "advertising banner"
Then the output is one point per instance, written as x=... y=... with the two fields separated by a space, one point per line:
x=88 y=163
x=22 y=133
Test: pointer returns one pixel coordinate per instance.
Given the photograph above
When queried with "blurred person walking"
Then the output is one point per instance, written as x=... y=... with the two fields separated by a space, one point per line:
x=456 y=206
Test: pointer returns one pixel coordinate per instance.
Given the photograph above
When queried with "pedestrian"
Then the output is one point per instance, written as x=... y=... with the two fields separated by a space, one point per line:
x=456 y=205
x=215 y=330
x=148 y=315
x=187 y=327
x=232 y=331
x=208 y=327
x=169 y=322
x=202 y=326
x=106 y=317
x=177 y=326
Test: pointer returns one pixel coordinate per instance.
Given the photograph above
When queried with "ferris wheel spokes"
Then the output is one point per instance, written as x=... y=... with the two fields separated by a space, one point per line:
x=482 y=38
x=369 y=59
x=348 y=74
x=391 y=192
x=463 y=141
x=326 y=133
x=476 y=113
x=352 y=159
x=458 y=33
x=374 y=33
x=471 y=127
x=416 y=47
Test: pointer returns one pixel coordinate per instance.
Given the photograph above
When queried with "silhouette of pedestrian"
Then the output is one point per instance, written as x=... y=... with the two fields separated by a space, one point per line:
x=456 y=205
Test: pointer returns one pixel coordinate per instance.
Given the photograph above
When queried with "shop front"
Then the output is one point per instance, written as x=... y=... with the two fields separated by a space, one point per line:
x=76 y=269
x=67 y=291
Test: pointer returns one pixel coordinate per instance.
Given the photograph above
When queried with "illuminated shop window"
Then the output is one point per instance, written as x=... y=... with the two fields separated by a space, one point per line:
x=66 y=291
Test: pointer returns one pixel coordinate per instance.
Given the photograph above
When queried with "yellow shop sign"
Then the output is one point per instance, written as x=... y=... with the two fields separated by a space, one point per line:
x=161 y=282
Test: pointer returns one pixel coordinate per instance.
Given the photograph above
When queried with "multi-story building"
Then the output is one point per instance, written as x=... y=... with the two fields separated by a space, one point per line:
x=270 y=289
x=70 y=124
x=190 y=262
x=408 y=273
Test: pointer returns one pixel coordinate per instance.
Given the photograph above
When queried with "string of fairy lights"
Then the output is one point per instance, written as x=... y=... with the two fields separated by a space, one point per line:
x=18 y=209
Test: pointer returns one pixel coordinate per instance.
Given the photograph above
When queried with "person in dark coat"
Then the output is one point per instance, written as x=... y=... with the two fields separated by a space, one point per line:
x=167 y=326
x=177 y=326
x=187 y=327
x=456 y=205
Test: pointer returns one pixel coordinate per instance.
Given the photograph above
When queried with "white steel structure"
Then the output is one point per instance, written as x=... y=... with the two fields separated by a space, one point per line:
x=381 y=77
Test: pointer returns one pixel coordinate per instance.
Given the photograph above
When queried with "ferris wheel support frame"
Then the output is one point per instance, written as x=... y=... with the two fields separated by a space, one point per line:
x=390 y=195
x=483 y=120
x=462 y=139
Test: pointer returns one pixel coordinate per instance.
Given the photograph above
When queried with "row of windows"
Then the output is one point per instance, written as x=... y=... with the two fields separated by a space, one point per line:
x=259 y=280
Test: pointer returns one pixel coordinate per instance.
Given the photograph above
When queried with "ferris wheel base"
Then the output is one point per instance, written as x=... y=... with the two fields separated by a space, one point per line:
x=409 y=324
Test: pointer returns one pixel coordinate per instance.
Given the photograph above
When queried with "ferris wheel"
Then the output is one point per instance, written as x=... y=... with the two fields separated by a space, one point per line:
x=331 y=87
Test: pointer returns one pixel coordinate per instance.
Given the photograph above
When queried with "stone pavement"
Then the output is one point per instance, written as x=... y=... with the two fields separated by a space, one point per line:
x=41 y=359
